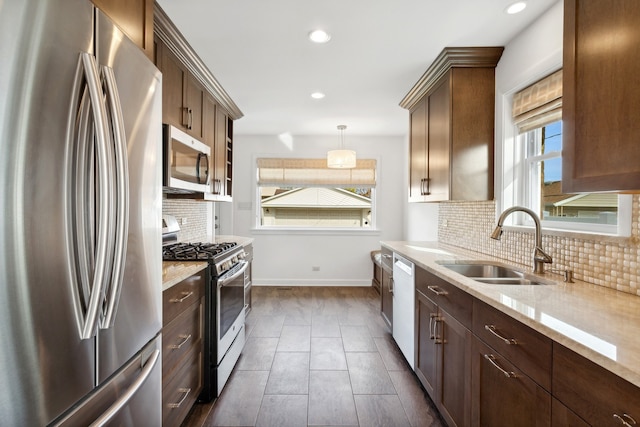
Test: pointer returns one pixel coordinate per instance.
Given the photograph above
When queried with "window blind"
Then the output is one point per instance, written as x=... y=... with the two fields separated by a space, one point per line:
x=539 y=104
x=314 y=173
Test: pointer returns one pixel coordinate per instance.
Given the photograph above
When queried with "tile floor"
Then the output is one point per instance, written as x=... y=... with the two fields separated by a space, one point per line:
x=318 y=356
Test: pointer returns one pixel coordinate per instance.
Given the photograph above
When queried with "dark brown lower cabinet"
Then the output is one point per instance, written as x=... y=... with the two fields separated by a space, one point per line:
x=503 y=395
x=386 y=287
x=443 y=360
x=561 y=416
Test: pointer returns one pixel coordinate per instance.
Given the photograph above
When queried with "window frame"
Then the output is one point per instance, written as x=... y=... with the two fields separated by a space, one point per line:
x=512 y=167
x=342 y=231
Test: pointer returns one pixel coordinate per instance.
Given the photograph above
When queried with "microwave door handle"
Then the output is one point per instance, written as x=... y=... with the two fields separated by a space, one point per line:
x=121 y=210
x=206 y=170
x=224 y=280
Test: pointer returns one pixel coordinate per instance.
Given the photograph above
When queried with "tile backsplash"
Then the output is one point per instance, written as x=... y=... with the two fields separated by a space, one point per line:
x=196 y=215
x=613 y=263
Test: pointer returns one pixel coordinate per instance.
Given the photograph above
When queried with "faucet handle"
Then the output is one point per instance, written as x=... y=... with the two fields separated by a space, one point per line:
x=540 y=255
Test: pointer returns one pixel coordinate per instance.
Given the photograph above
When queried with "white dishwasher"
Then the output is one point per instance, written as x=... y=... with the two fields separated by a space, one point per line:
x=404 y=306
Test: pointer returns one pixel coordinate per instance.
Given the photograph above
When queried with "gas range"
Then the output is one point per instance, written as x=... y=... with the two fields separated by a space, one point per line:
x=222 y=256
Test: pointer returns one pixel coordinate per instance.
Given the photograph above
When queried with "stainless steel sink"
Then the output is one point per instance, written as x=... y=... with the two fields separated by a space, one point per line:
x=493 y=274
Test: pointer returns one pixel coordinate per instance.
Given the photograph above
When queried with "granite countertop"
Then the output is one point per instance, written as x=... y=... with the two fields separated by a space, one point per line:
x=598 y=323
x=174 y=272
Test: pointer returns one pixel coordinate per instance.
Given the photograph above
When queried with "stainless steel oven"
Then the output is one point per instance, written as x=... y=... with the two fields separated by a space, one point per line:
x=186 y=162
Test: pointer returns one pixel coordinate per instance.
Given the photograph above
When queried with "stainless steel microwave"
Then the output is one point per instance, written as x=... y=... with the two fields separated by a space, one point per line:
x=186 y=162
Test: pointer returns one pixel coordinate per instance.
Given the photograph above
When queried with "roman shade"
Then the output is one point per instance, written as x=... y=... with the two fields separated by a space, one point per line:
x=314 y=173
x=539 y=104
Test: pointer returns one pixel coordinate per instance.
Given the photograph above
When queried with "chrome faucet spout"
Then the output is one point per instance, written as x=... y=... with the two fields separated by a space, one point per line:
x=540 y=258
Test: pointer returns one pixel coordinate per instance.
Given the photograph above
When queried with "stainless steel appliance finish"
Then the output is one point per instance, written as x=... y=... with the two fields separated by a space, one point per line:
x=80 y=150
x=186 y=162
x=224 y=308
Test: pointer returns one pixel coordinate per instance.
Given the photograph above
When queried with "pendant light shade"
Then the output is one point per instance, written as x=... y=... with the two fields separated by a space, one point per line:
x=341 y=159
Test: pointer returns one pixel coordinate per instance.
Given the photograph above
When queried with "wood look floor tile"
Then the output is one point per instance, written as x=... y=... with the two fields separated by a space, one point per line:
x=289 y=374
x=257 y=354
x=419 y=408
x=283 y=411
x=368 y=374
x=357 y=338
x=331 y=399
x=391 y=355
x=268 y=326
x=327 y=354
x=325 y=326
x=295 y=338
x=240 y=400
x=380 y=411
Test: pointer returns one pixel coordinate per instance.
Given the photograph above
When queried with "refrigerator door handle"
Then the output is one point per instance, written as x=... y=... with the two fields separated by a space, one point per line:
x=88 y=309
x=121 y=209
x=129 y=393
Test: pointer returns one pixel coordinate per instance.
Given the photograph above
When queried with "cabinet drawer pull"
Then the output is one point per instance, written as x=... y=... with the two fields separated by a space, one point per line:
x=185 y=338
x=391 y=285
x=185 y=295
x=492 y=359
x=185 y=392
x=492 y=329
x=437 y=290
x=624 y=421
x=432 y=325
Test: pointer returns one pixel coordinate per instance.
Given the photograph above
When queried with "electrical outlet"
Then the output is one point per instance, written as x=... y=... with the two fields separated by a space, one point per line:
x=184 y=221
x=315 y=268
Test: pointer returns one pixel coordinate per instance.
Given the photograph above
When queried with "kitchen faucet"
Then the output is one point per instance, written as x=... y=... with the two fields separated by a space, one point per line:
x=539 y=256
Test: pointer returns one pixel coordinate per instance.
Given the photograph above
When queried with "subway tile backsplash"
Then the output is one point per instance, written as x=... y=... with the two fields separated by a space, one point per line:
x=613 y=263
x=195 y=213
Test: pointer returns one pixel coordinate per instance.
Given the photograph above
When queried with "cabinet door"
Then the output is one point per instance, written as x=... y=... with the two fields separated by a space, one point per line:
x=439 y=141
x=386 y=298
x=561 y=416
x=209 y=133
x=134 y=17
x=220 y=154
x=173 y=81
x=427 y=344
x=503 y=395
x=454 y=394
x=601 y=94
x=418 y=152
x=193 y=103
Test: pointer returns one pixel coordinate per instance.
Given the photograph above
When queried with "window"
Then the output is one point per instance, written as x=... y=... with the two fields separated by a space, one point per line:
x=537 y=167
x=304 y=193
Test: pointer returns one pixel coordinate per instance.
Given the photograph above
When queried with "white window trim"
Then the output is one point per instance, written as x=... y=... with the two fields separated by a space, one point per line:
x=341 y=231
x=511 y=184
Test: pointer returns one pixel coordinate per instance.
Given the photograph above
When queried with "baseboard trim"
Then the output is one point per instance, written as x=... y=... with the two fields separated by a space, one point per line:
x=288 y=282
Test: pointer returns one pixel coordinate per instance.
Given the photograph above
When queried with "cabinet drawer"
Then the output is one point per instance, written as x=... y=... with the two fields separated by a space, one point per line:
x=591 y=391
x=450 y=298
x=180 y=296
x=180 y=336
x=179 y=392
x=530 y=351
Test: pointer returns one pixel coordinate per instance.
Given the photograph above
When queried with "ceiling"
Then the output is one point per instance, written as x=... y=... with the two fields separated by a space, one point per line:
x=259 y=52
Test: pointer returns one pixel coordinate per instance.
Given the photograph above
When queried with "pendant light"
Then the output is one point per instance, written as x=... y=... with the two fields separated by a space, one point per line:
x=341 y=159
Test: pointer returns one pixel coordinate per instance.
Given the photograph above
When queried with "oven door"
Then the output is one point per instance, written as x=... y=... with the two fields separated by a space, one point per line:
x=230 y=307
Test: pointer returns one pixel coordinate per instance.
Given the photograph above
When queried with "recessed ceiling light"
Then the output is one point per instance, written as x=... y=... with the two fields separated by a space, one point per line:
x=516 y=7
x=317 y=95
x=319 y=36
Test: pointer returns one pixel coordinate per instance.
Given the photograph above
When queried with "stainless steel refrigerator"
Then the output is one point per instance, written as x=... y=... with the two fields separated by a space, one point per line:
x=80 y=209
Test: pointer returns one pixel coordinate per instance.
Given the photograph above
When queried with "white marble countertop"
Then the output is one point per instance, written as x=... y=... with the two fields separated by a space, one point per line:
x=241 y=240
x=598 y=323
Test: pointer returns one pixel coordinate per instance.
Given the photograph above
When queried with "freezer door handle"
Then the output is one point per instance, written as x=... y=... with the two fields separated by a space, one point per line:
x=129 y=393
x=121 y=208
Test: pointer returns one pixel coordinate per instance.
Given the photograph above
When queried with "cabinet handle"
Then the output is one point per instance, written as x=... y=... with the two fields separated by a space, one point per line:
x=185 y=295
x=190 y=125
x=623 y=421
x=492 y=359
x=391 y=285
x=185 y=117
x=185 y=392
x=185 y=338
x=432 y=330
x=437 y=290
x=492 y=329
x=428 y=192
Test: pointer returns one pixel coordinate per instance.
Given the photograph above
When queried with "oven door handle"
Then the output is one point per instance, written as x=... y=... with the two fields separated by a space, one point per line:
x=222 y=281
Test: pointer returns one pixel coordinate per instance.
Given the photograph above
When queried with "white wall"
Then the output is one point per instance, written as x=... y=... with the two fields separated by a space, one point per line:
x=287 y=258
